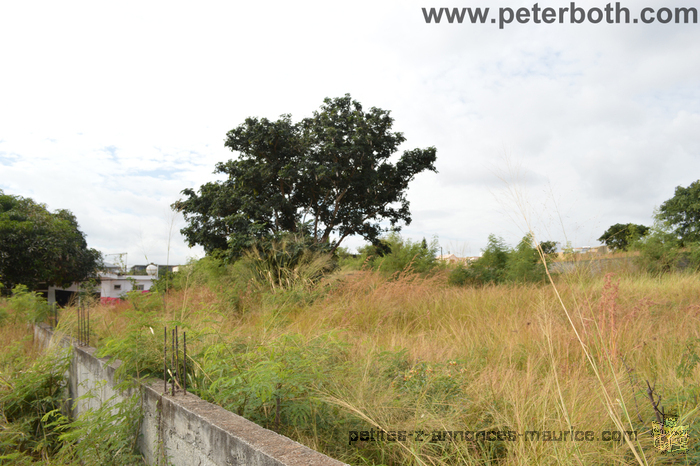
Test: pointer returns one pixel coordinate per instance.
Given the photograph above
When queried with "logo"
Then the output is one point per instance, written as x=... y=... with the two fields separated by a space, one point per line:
x=669 y=437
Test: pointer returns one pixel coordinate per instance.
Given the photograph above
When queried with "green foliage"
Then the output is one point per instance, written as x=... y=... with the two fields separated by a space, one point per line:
x=673 y=243
x=395 y=255
x=620 y=236
x=39 y=246
x=164 y=282
x=332 y=168
x=524 y=264
x=500 y=264
x=30 y=404
x=432 y=383
x=276 y=384
x=106 y=435
x=346 y=260
x=493 y=261
x=489 y=268
x=548 y=247
x=207 y=271
x=27 y=306
x=681 y=213
x=461 y=276
x=140 y=347
x=660 y=251
x=291 y=260
x=35 y=427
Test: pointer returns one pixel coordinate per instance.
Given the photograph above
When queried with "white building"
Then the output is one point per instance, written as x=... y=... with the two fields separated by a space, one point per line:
x=113 y=286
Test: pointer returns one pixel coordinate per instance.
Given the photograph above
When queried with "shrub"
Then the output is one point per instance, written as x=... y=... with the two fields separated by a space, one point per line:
x=396 y=254
x=31 y=407
x=499 y=264
x=489 y=268
x=524 y=264
x=106 y=435
x=276 y=384
x=288 y=261
x=660 y=252
x=27 y=305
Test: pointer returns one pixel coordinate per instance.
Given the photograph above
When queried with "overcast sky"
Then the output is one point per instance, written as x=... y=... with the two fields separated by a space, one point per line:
x=110 y=109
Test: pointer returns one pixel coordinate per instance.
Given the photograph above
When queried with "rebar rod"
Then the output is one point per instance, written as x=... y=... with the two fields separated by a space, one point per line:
x=172 y=378
x=165 y=360
x=177 y=358
x=184 y=360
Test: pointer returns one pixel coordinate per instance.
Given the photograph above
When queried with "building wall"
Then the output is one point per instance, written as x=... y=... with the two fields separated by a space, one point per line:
x=108 y=282
x=107 y=289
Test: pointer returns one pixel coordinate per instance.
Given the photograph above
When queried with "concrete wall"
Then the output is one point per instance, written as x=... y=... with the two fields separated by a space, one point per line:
x=596 y=266
x=184 y=428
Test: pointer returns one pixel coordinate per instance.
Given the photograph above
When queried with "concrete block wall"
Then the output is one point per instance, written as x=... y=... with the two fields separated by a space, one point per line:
x=184 y=429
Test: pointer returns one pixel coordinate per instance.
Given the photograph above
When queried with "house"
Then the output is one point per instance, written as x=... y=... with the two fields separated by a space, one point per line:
x=113 y=285
x=449 y=258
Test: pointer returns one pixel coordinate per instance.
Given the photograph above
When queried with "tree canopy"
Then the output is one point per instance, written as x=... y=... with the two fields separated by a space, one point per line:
x=327 y=174
x=37 y=246
x=548 y=247
x=682 y=213
x=621 y=235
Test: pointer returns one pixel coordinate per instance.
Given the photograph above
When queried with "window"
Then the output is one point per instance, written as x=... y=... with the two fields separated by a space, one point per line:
x=138 y=287
x=117 y=287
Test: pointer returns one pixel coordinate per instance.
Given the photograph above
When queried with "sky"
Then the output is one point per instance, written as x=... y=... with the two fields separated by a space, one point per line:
x=111 y=109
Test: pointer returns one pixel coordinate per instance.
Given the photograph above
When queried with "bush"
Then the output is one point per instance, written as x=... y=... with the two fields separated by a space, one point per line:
x=140 y=348
x=27 y=305
x=661 y=251
x=106 y=435
x=499 y=264
x=276 y=384
x=31 y=407
x=489 y=268
x=290 y=260
x=524 y=264
x=395 y=255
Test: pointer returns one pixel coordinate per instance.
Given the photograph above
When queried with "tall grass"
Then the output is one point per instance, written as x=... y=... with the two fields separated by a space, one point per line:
x=411 y=353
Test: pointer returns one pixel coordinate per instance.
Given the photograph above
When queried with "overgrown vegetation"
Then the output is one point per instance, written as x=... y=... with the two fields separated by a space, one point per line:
x=500 y=264
x=334 y=350
x=365 y=350
x=31 y=403
x=35 y=427
x=394 y=254
x=661 y=250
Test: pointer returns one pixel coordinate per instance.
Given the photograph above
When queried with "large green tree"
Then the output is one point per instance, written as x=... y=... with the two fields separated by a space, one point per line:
x=682 y=213
x=37 y=246
x=327 y=175
x=621 y=235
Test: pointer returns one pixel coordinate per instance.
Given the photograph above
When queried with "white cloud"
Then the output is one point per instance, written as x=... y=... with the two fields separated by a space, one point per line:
x=111 y=110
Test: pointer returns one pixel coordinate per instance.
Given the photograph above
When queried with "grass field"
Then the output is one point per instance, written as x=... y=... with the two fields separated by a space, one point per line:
x=362 y=352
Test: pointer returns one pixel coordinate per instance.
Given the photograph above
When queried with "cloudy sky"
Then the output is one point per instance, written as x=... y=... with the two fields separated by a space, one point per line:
x=110 y=109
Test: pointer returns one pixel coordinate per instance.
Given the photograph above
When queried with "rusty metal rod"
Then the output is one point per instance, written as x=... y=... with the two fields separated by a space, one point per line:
x=177 y=358
x=184 y=360
x=172 y=378
x=165 y=360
